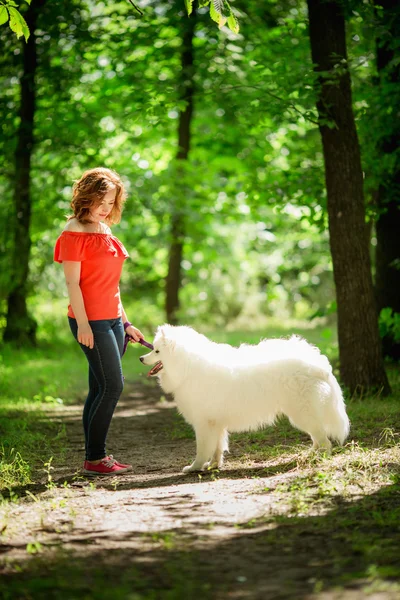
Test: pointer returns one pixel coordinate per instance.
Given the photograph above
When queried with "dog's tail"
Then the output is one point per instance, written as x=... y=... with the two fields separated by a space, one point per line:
x=337 y=424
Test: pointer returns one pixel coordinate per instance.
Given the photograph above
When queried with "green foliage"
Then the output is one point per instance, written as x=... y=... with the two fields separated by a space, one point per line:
x=389 y=324
x=253 y=192
x=88 y=87
x=221 y=12
x=217 y=12
x=14 y=469
x=189 y=6
x=9 y=13
x=3 y=15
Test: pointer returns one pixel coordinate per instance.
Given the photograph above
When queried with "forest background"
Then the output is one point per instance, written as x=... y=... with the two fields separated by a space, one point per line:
x=217 y=135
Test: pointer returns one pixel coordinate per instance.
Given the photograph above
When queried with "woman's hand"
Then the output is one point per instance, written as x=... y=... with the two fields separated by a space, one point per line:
x=85 y=335
x=134 y=333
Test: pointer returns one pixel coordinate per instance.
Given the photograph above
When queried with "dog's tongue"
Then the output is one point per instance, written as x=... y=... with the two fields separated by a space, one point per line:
x=154 y=370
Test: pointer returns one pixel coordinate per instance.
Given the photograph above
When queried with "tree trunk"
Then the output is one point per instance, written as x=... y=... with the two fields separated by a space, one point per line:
x=361 y=363
x=387 y=280
x=174 y=276
x=21 y=327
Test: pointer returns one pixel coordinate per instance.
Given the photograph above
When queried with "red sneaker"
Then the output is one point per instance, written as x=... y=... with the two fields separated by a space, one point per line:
x=107 y=466
x=119 y=463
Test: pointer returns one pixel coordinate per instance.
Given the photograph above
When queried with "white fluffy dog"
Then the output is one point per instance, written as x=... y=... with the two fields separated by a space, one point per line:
x=219 y=388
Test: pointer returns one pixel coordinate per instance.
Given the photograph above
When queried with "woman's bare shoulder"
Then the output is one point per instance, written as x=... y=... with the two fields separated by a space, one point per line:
x=74 y=225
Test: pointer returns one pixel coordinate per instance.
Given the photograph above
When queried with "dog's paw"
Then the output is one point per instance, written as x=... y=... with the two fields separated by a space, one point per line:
x=193 y=468
x=189 y=469
x=212 y=465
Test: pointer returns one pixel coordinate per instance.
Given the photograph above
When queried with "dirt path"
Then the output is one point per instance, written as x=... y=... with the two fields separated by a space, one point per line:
x=156 y=533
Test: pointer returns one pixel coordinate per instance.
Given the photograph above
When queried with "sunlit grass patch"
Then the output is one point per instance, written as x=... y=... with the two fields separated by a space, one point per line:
x=47 y=370
x=323 y=337
x=343 y=511
x=321 y=481
x=29 y=439
x=281 y=439
x=14 y=470
x=31 y=380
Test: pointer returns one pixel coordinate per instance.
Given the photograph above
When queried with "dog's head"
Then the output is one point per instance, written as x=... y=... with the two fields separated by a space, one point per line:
x=179 y=352
x=163 y=344
x=170 y=358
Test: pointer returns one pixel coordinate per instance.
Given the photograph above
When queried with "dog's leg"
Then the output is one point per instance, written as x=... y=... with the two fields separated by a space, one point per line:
x=324 y=445
x=217 y=460
x=207 y=438
x=309 y=424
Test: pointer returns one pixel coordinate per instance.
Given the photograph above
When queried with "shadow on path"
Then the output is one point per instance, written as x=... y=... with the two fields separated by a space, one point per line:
x=344 y=553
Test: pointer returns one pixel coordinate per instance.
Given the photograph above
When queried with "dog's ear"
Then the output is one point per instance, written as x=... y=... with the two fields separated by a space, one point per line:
x=166 y=336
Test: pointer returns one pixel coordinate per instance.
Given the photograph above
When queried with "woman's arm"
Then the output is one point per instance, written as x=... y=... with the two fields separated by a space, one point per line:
x=72 y=272
x=132 y=331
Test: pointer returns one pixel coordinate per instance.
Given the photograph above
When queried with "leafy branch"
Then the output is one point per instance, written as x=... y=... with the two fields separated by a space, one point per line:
x=9 y=13
x=220 y=11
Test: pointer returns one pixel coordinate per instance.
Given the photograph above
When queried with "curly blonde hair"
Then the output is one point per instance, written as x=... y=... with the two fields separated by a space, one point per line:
x=89 y=191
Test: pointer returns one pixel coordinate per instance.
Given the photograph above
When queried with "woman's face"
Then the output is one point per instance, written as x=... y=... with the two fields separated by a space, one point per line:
x=99 y=212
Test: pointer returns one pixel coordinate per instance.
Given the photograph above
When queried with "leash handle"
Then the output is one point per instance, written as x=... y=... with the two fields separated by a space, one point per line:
x=143 y=342
x=147 y=344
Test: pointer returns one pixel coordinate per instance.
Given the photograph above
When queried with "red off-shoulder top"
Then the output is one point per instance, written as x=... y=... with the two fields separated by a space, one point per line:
x=101 y=256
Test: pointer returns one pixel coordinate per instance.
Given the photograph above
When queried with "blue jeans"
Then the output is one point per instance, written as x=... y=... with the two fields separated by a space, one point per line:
x=105 y=382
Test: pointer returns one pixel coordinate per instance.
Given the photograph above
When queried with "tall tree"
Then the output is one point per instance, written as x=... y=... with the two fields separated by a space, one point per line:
x=186 y=98
x=387 y=281
x=361 y=361
x=20 y=326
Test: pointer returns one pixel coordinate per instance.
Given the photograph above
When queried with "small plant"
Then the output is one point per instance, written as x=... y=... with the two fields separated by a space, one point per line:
x=166 y=539
x=32 y=496
x=388 y=437
x=56 y=504
x=115 y=483
x=248 y=524
x=34 y=547
x=47 y=469
x=325 y=485
x=214 y=472
x=14 y=470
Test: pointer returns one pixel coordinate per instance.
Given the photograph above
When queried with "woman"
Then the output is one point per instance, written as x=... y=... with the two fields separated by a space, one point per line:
x=92 y=259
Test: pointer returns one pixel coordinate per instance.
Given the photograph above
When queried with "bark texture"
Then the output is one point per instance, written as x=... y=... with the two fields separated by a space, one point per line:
x=20 y=326
x=361 y=362
x=387 y=280
x=177 y=231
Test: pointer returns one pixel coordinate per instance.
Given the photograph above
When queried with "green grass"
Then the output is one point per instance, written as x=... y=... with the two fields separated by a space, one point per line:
x=31 y=381
x=168 y=578
x=323 y=337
